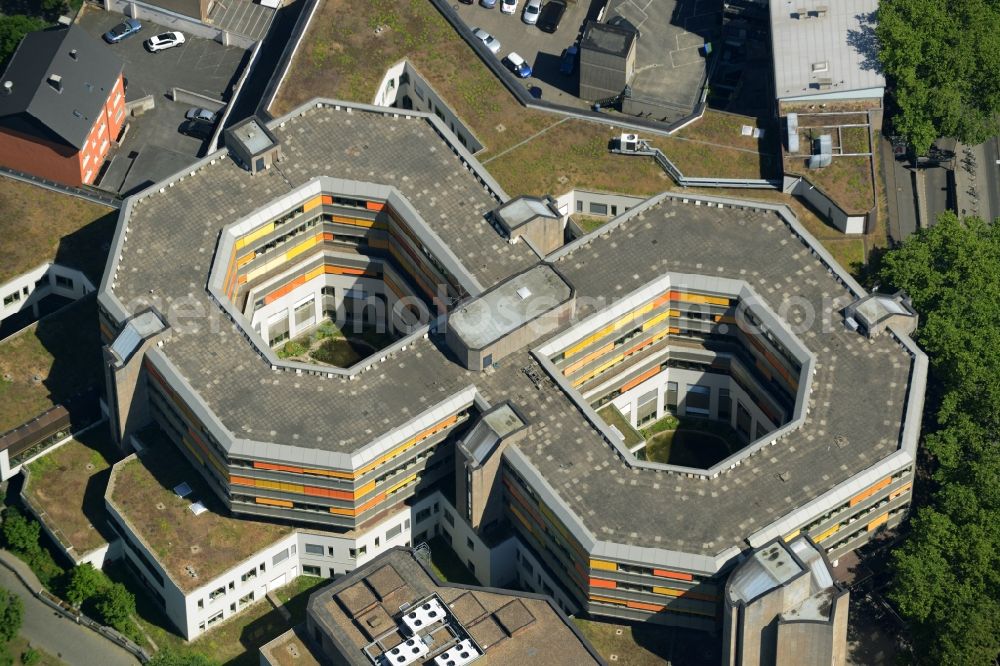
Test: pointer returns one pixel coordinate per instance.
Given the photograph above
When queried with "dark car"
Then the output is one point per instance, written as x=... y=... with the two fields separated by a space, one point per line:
x=126 y=28
x=552 y=13
x=567 y=62
x=196 y=128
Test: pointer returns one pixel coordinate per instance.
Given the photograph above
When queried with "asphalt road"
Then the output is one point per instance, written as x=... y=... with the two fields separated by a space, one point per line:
x=74 y=644
x=900 y=195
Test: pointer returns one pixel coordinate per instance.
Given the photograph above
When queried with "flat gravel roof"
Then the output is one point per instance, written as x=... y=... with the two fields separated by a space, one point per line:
x=859 y=388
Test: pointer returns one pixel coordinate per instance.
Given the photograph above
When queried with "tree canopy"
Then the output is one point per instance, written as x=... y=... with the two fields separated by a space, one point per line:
x=85 y=582
x=947 y=574
x=943 y=59
x=12 y=30
x=11 y=615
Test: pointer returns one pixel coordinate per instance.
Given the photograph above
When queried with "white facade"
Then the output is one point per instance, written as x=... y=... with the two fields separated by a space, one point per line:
x=27 y=289
x=628 y=403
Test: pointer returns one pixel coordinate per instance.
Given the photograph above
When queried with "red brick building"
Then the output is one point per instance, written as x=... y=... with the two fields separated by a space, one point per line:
x=62 y=104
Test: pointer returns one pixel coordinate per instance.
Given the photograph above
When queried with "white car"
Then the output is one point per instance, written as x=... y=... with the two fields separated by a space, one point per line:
x=508 y=6
x=164 y=41
x=492 y=43
x=531 y=11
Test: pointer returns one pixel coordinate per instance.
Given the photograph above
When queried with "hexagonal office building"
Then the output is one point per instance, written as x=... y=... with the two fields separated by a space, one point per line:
x=330 y=326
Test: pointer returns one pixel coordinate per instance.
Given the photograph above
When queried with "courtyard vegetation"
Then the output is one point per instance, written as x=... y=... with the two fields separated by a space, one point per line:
x=331 y=345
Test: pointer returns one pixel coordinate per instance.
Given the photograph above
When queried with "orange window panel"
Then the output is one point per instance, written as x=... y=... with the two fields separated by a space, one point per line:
x=372 y=502
x=312 y=203
x=652 y=372
x=899 y=491
x=600 y=582
x=273 y=502
x=341 y=512
x=241 y=481
x=374 y=205
x=277 y=468
x=868 y=492
x=638 y=605
x=327 y=200
x=327 y=236
x=676 y=575
x=873 y=525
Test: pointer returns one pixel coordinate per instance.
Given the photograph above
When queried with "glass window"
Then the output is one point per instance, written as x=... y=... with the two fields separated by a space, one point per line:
x=280 y=557
x=598 y=208
x=314 y=549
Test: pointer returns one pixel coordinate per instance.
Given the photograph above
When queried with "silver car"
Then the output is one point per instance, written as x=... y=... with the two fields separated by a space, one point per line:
x=492 y=43
x=531 y=11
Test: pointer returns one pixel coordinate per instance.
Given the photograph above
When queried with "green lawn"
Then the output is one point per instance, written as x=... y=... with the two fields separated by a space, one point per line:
x=68 y=486
x=49 y=226
x=688 y=442
x=48 y=362
x=613 y=417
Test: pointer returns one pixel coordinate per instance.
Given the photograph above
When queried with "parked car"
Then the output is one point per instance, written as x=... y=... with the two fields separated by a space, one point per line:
x=164 y=41
x=508 y=6
x=492 y=43
x=126 y=28
x=517 y=64
x=552 y=13
x=196 y=129
x=201 y=115
x=531 y=11
x=567 y=62
x=489 y=4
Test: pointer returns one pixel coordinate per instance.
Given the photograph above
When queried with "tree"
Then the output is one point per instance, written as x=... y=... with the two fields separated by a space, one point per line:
x=168 y=657
x=940 y=59
x=946 y=574
x=116 y=605
x=85 y=582
x=11 y=615
x=19 y=533
x=12 y=31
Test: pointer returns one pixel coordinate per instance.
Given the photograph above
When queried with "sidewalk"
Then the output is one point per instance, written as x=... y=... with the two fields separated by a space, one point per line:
x=74 y=644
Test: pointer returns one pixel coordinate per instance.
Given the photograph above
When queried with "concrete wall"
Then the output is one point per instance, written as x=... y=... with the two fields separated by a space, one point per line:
x=847 y=223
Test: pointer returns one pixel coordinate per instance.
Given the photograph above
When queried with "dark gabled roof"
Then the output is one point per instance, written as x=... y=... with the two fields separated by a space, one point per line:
x=86 y=82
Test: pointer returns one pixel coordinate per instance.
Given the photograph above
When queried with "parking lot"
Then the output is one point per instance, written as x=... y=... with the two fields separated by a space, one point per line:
x=670 y=63
x=153 y=148
x=541 y=50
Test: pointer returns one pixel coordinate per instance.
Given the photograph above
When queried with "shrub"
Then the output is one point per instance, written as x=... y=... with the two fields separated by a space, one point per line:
x=30 y=657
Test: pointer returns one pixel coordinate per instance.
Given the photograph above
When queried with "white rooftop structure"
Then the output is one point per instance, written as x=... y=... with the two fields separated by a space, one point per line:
x=816 y=50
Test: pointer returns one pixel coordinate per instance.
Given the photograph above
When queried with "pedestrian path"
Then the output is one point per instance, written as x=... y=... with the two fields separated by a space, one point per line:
x=74 y=644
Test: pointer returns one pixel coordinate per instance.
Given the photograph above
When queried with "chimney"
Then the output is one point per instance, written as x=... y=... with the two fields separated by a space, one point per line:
x=74 y=54
x=55 y=81
x=8 y=87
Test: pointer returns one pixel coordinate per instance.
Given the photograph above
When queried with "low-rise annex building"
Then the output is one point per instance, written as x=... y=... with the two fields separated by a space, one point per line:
x=393 y=610
x=539 y=371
